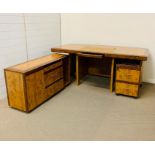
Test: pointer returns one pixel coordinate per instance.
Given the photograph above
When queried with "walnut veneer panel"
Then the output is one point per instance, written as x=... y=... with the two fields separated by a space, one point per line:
x=101 y=67
x=35 y=89
x=127 y=89
x=15 y=90
x=108 y=51
x=128 y=75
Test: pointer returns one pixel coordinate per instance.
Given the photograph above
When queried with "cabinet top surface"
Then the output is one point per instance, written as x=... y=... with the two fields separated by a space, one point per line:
x=36 y=63
x=109 y=51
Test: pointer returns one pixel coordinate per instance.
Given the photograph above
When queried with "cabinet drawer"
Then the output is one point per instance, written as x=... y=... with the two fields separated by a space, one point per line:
x=127 y=89
x=52 y=76
x=128 y=74
x=57 y=86
x=53 y=66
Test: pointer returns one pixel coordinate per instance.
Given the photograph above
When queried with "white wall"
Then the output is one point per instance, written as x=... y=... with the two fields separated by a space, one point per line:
x=137 y=30
x=12 y=44
x=21 y=39
x=42 y=32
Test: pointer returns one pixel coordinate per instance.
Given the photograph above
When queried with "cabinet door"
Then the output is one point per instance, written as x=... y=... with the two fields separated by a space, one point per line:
x=35 y=89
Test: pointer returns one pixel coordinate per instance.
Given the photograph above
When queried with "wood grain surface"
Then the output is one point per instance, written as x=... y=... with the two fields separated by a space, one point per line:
x=36 y=63
x=108 y=51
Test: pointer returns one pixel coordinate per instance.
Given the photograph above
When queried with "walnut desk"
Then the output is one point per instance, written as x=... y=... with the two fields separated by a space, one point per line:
x=107 y=61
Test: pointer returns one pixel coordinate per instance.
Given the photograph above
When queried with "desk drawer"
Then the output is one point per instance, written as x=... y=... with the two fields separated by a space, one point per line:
x=127 y=89
x=53 y=75
x=53 y=66
x=89 y=55
x=53 y=89
x=128 y=73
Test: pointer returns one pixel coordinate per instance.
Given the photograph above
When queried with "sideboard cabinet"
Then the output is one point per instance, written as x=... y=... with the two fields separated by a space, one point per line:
x=31 y=83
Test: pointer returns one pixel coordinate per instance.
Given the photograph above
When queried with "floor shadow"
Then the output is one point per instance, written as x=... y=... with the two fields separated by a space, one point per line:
x=96 y=81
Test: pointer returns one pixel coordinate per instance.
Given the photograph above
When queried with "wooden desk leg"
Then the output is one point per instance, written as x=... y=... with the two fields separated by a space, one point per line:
x=77 y=70
x=112 y=75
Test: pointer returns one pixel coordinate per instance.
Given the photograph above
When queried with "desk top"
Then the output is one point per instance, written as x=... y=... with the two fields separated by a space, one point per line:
x=35 y=63
x=108 y=51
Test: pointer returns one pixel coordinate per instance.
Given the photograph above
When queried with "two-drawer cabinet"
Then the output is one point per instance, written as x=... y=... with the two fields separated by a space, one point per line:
x=33 y=82
x=128 y=79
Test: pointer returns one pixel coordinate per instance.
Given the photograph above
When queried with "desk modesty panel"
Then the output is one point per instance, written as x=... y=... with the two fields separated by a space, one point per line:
x=107 y=51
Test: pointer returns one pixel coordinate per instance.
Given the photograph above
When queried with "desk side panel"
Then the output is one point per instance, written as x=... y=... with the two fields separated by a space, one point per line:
x=67 y=70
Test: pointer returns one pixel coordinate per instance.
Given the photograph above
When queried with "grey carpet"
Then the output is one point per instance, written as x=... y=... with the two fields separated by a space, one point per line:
x=85 y=112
